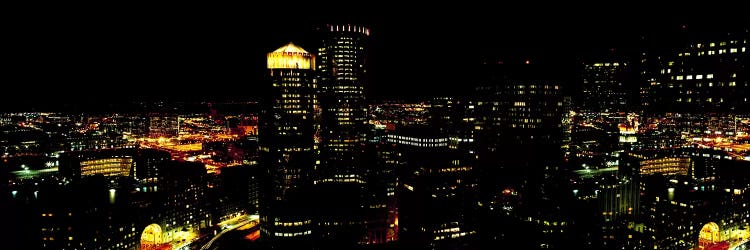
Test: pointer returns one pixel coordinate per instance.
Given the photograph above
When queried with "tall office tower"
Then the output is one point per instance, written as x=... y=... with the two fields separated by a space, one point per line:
x=520 y=137
x=341 y=66
x=708 y=74
x=521 y=127
x=339 y=174
x=286 y=138
x=604 y=87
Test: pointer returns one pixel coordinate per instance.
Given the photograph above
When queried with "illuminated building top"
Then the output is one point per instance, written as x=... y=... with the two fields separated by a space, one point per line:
x=349 y=28
x=291 y=56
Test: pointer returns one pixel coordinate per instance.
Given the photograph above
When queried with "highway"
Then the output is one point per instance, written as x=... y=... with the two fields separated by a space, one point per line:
x=246 y=220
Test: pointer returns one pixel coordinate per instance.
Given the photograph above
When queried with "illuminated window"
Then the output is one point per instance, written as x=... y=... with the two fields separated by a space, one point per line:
x=710 y=76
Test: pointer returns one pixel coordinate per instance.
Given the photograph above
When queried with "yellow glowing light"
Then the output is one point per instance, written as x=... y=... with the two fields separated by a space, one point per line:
x=290 y=57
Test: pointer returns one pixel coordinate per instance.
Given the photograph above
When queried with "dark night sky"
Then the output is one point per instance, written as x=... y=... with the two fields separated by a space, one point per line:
x=75 y=55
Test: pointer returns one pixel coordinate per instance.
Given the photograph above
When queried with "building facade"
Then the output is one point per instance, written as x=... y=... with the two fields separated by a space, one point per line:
x=286 y=139
x=604 y=87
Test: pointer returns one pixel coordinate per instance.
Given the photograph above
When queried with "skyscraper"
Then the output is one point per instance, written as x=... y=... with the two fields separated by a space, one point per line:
x=341 y=66
x=340 y=181
x=520 y=135
x=286 y=140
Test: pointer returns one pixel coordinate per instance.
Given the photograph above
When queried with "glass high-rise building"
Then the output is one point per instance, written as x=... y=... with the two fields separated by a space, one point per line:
x=286 y=140
x=340 y=177
x=341 y=68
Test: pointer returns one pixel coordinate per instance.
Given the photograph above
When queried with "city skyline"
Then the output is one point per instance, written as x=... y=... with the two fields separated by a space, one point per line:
x=358 y=129
x=150 y=56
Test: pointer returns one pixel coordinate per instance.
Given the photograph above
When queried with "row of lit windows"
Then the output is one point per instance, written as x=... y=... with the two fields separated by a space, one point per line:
x=453 y=170
x=615 y=64
x=340 y=180
x=415 y=139
x=714 y=52
x=308 y=232
x=699 y=100
x=107 y=169
x=536 y=86
x=453 y=235
x=287 y=85
x=724 y=43
x=347 y=87
x=690 y=77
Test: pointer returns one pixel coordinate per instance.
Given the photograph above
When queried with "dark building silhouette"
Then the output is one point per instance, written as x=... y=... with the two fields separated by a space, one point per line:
x=111 y=210
x=605 y=86
x=438 y=192
x=522 y=122
x=379 y=162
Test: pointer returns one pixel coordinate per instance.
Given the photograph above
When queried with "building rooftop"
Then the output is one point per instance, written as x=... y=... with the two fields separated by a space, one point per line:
x=291 y=48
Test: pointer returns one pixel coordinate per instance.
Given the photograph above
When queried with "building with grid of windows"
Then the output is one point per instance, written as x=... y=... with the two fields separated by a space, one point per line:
x=286 y=140
x=707 y=74
x=340 y=177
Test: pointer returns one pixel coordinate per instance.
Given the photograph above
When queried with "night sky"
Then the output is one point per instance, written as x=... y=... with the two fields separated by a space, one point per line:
x=74 y=55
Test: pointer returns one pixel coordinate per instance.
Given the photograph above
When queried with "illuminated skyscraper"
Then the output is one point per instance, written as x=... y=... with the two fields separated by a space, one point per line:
x=340 y=181
x=286 y=140
x=341 y=67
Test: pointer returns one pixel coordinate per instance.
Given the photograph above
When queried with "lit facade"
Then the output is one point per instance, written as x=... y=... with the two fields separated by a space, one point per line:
x=108 y=163
x=107 y=166
x=341 y=67
x=705 y=75
x=286 y=140
x=666 y=166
